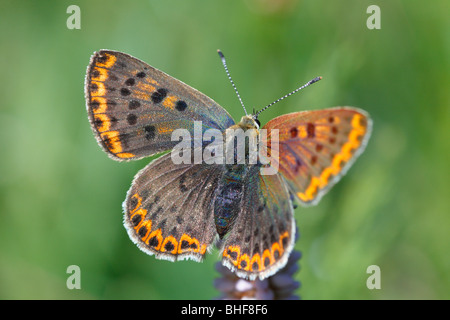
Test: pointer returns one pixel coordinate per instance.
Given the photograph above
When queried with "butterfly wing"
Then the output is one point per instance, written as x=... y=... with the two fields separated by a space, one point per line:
x=133 y=108
x=263 y=234
x=169 y=209
x=316 y=148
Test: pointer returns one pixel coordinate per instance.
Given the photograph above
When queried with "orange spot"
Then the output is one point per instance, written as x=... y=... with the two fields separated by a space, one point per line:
x=232 y=249
x=356 y=122
x=255 y=259
x=112 y=141
x=276 y=247
x=159 y=237
x=125 y=155
x=245 y=258
x=190 y=241
x=302 y=196
x=336 y=164
x=150 y=80
x=143 y=89
x=311 y=191
x=100 y=90
x=169 y=102
x=102 y=105
x=203 y=249
x=162 y=129
x=353 y=137
x=346 y=152
x=267 y=254
x=142 y=213
x=325 y=176
x=174 y=243
x=108 y=63
x=139 y=199
x=103 y=120
x=147 y=224
x=101 y=76
x=295 y=132
x=302 y=133
x=141 y=95
x=284 y=235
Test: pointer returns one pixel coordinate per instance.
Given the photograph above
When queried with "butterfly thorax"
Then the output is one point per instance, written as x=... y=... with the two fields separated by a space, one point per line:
x=241 y=142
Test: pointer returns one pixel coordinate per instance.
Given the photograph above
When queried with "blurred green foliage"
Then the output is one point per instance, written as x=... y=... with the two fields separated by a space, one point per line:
x=61 y=196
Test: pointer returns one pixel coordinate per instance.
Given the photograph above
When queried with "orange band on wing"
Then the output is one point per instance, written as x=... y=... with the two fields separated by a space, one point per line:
x=346 y=153
x=256 y=263
x=155 y=240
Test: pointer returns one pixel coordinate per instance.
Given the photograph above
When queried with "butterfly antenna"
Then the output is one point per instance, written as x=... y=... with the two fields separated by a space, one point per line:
x=291 y=93
x=222 y=57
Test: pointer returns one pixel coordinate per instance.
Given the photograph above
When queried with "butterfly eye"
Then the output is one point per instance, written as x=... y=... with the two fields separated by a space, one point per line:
x=258 y=123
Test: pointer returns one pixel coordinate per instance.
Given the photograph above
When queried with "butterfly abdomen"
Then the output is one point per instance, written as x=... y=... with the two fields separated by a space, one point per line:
x=228 y=198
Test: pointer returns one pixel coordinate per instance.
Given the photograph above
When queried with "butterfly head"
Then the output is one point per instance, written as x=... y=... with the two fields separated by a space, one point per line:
x=249 y=122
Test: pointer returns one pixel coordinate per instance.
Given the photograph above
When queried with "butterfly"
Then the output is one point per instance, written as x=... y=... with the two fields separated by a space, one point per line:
x=180 y=211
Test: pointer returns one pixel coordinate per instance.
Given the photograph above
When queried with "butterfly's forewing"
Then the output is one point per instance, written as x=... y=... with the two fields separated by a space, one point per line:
x=169 y=209
x=133 y=108
x=317 y=147
x=263 y=234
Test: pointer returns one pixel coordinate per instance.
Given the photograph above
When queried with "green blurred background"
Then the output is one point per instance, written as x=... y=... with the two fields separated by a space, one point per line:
x=61 y=196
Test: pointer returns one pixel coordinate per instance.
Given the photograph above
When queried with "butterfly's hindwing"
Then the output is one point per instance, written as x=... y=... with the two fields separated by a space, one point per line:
x=169 y=209
x=263 y=232
x=134 y=108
